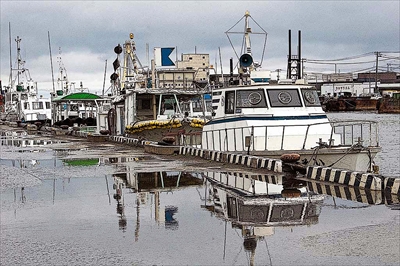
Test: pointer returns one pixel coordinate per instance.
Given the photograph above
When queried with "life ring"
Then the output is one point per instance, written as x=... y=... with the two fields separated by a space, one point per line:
x=169 y=139
x=291 y=193
x=290 y=158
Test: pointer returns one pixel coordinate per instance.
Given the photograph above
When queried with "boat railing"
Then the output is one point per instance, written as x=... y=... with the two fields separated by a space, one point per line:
x=363 y=133
x=356 y=131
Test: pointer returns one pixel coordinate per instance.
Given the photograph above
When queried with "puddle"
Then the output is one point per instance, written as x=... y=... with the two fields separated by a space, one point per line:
x=235 y=214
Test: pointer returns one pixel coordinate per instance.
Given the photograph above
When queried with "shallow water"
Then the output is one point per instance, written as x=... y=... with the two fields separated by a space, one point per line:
x=124 y=207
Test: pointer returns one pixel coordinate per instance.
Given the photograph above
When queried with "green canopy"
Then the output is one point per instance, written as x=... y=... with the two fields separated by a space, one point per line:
x=79 y=96
x=82 y=162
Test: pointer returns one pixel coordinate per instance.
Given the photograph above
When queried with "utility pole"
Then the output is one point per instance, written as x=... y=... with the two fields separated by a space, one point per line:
x=278 y=70
x=376 y=72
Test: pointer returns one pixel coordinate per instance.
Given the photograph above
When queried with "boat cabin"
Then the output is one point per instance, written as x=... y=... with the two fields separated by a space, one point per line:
x=266 y=117
x=272 y=100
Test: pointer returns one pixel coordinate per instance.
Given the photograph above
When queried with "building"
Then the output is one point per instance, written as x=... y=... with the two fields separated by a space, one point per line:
x=198 y=62
x=347 y=88
x=190 y=72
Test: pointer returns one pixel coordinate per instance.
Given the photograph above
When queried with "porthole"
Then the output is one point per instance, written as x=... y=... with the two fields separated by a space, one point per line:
x=254 y=98
x=287 y=213
x=309 y=96
x=284 y=97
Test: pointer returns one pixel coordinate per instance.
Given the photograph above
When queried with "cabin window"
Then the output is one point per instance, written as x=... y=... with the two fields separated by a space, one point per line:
x=37 y=105
x=197 y=106
x=310 y=97
x=168 y=106
x=26 y=106
x=230 y=102
x=146 y=103
x=185 y=107
x=47 y=105
x=284 y=98
x=250 y=99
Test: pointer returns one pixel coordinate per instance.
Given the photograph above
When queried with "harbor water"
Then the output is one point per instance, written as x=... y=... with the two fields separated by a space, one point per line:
x=75 y=203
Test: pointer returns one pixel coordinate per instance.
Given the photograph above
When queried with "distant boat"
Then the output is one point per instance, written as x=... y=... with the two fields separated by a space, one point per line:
x=73 y=105
x=21 y=99
x=351 y=103
x=389 y=105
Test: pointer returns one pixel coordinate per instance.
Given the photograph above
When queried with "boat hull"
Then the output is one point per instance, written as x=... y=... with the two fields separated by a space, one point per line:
x=355 y=159
x=351 y=104
x=389 y=106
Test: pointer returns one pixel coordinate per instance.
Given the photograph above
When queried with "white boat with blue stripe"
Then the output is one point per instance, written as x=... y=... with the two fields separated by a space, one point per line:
x=271 y=120
x=258 y=118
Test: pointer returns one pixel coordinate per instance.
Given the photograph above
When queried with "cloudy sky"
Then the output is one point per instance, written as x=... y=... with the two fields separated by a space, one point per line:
x=87 y=32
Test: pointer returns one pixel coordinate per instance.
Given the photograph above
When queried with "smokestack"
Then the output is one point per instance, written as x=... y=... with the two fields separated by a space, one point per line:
x=299 y=65
x=289 y=67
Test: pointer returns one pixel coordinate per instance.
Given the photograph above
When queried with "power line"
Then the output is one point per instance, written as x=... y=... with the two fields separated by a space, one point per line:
x=348 y=63
x=345 y=58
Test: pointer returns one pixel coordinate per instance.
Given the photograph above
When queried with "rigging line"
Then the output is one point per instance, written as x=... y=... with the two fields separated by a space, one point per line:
x=349 y=150
x=258 y=26
x=265 y=45
x=241 y=247
x=238 y=32
x=269 y=255
x=232 y=46
x=225 y=241
x=235 y=24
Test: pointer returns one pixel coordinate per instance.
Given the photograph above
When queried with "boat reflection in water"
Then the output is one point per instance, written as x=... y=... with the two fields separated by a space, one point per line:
x=153 y=183
x=256 y=204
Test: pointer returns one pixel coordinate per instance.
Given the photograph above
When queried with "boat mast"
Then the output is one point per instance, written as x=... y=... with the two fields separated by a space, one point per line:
x=246 y=61
x=19 y=60
x=104 y=81
x=51 y=63
x=247 y=34
x=63 y=79
x=9 y=37
x=21 y=68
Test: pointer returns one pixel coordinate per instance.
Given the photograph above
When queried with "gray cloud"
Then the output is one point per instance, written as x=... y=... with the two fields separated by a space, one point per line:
x=87 y=31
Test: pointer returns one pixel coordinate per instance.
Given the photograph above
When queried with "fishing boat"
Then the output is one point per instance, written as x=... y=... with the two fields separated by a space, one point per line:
x=351 y=103
x=72 y=105
x=143 y=108
x=21 y=99
x=273 y=120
